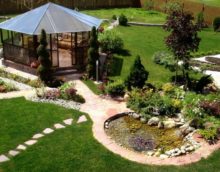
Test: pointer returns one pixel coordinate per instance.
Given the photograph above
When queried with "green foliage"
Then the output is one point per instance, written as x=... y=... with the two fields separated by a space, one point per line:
x=116 y=88
x=6 y=87
x=148 y=102
x=149 y=4
x=200 y=19
x=123 y=21
x=68 y=92
x=216 y=23
x=202 y=83
x=44 y=70
x=172 y=6
x=209 y=134
x=114 y=17
x=93 y=54
x=165 y=59
x=110 y=41
x=138 y=75
x=181 y=41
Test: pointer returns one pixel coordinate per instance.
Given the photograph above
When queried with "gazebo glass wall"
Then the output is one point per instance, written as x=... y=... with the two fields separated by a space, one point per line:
x=66 y=49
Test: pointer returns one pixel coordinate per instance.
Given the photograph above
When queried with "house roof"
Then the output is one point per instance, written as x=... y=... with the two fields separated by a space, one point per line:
x=52 y=18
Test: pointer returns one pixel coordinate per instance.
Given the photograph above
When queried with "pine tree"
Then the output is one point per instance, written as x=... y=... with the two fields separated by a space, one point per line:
x=93 y=53
x=44 y=70
x=138 y=75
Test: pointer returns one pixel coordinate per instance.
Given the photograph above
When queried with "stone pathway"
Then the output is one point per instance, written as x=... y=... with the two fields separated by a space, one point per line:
x=22 y=147
x=215 y=75
x=100 y=110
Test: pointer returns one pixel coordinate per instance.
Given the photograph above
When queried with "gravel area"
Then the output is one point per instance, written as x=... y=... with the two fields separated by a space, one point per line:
x=60 y=102
x=18 y=85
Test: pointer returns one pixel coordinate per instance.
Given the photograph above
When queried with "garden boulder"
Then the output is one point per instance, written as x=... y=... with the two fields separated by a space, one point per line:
x=153 y=121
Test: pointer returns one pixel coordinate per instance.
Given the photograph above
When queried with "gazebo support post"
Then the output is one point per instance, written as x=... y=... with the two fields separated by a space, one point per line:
x=22 y=40
x=12 y=38
x=76 y=60
x=1 y=33
x=71 y=46
x=58 y=50
x=8 y=34
x=51 y=49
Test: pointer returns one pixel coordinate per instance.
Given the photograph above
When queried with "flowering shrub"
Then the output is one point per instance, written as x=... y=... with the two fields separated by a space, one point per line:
x=67 y=92
x=212 y=108
x=52 y=94
x=168 y=88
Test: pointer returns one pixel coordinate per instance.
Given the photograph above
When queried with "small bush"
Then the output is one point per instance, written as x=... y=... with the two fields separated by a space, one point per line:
x=216 y=23
x=123 y=21
x=116 y=88
x=138 y=75
x=114 y=17
x=168 y=88
x=110 y=41
x=209 y=134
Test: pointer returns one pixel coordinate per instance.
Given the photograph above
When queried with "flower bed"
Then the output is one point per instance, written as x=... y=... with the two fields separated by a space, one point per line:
x=6 y=87
x=66 y=92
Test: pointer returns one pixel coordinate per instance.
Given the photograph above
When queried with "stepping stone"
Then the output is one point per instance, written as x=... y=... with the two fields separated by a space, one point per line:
x=82 y=119
x=3 y=158
x=68 y=121
x=37 y=136
x=48 y=131
x=30 y=142
x=21 y=147
x=59 y=126
x=13 y=152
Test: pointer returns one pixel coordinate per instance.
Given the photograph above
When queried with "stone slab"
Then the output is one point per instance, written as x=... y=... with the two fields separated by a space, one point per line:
x=48 y=131
x=82 y=119
x=59 y=126
x=68 y=121
x=13 y=152
x=30 y=142
x=37 y=136
x=21 y=147
x=3 y=158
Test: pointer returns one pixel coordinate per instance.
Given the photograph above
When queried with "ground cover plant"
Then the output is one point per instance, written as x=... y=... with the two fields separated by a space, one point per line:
x=6 y=87
x=65 y=149
x=33 y=83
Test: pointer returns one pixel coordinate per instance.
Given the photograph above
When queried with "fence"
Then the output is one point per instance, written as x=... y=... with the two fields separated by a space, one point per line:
x=210 y=12
x=9 y=7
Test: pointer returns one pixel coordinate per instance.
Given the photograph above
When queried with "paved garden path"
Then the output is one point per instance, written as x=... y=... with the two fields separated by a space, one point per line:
x=100 y=110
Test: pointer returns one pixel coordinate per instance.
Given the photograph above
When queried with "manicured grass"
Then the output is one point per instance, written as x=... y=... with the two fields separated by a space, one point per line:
x=92 y=86
x=75 y=149
x=145 y=41
x=20 y=119
x=133 y=14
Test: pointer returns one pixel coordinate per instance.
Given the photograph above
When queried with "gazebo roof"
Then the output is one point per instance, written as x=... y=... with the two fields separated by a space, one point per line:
x=52 y=18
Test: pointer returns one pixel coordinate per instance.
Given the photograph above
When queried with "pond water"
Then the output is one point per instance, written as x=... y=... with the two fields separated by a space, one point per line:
x=133 y=134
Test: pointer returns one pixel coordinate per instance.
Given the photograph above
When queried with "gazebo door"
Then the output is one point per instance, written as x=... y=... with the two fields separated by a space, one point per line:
x=65 y=50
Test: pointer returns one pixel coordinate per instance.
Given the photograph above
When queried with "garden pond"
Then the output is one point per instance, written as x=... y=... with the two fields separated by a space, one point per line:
x=135 y=135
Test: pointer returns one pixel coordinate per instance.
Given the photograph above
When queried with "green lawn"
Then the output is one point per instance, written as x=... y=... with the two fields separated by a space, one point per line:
x=133 y=14
x=20 y=120
x=70 y=149
x=145 y=41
